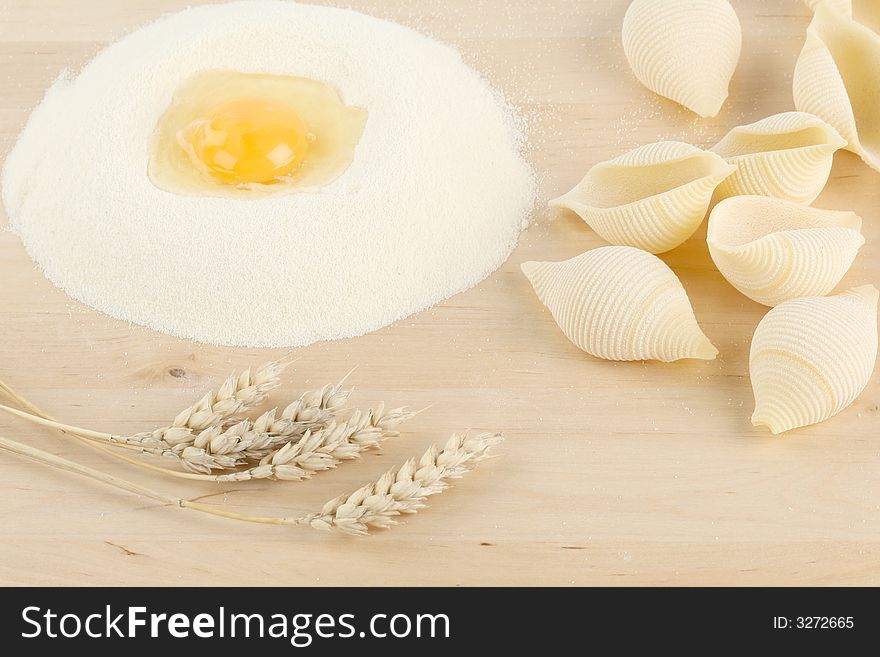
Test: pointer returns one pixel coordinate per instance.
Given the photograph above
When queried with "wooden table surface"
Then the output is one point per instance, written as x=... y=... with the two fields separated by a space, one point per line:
x=614 y=474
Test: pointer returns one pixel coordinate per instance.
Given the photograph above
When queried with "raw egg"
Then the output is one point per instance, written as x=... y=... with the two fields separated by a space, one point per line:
x=247 y=140
x=249 y=135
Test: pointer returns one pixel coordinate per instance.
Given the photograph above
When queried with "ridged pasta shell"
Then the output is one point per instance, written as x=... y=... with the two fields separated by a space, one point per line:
x=786 y=155
x=652 y=198
x=685 y=50
x=836 y=78
x=811 y=357
x=620 y=303
x=773 y=250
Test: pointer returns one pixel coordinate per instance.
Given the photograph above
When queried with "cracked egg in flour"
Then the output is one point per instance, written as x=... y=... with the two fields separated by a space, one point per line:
x=243 y=134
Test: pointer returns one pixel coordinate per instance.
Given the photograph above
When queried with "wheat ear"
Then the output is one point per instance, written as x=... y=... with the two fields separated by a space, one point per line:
x=289 y=451
x=375 y=505
x=325 y=448
x=238 y=394
x=288 y=448
x=404 y=490
x=216 y=447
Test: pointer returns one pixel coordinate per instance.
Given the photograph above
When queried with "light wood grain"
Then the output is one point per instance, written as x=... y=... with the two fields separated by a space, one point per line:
x=612 y=473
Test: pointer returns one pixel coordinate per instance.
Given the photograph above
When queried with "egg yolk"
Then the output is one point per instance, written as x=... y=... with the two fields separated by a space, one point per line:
x=247 y=140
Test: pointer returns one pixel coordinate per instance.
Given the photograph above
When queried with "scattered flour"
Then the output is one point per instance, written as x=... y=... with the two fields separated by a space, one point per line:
x=433 y=203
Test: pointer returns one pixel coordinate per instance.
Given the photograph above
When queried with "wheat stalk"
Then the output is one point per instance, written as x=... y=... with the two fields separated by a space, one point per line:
x=403 y=490
x=291 y=447
x=218 y=446
x=238 y=394
x=70 y=466
x=325 y=448
x=398 y=491
x=225 y=448
x=21 y=401
x=215 y=446
x=281 y=457
x=37 y=412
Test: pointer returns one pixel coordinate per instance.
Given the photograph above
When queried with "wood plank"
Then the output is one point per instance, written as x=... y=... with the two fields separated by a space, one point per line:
x=612 y=473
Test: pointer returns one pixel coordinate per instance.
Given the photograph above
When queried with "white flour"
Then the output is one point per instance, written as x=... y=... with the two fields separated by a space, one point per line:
x=433 y=203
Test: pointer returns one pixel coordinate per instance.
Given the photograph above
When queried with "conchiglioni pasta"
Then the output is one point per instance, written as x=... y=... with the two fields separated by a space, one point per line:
x=786 y=155
x=844 y=6
x=773 y=250
x=810 y=358
x=685 y=50
x=837 y=76
x=866 y=12
x=620 y=303
x=652 y=198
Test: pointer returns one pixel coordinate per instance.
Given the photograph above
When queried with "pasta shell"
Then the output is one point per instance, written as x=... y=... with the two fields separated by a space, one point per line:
x=652 y=198
x=836 y=78
x=786 y=155
x=811 y=357
x=866 y=12
x=844 y=6
x=620 y=303
x=685 y=50
x=773 y=250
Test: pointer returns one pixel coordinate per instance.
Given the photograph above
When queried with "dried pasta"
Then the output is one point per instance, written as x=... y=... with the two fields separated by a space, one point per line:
x=685 y=50
x=620 y=303
x=837 y=76
x=652 y=198
x=773 y=250
x=811 y=357
x=786 y=155
x=866 y=12
x=844 y=6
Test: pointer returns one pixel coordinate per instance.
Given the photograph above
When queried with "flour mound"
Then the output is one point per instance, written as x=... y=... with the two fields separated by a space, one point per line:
x=433 y=202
